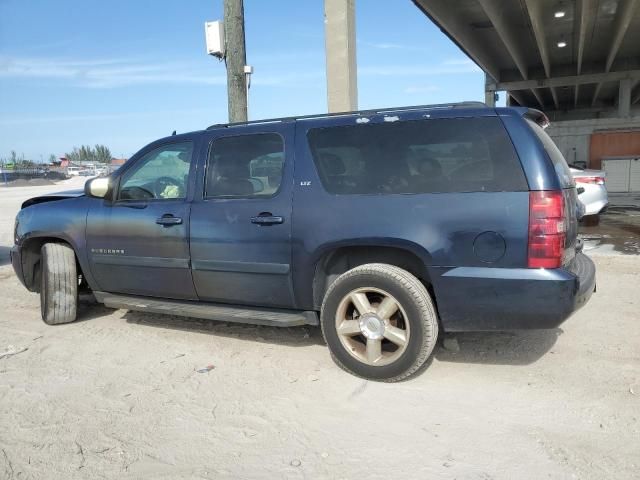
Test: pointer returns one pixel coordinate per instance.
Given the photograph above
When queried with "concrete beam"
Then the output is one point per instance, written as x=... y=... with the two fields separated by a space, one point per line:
x=490 y=99
x=554 y=94
x=458 y=29
x=507 y=33
x=568 y=69
x=511 y=38
x=537 y=23
x=518 y=97
x=624 y=98
x=620 y=26
x=621 y=23
x=583 y=21
x=536 y=94
x=567 y=81
x=596 y=93
x=489 y=95
x=340 y=51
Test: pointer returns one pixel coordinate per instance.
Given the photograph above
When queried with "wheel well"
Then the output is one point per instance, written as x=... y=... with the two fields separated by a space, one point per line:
x=31 y=253
x=341 y=260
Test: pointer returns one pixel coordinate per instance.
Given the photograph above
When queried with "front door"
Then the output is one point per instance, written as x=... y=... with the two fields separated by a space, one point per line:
x=137 y=243
x=241 y=217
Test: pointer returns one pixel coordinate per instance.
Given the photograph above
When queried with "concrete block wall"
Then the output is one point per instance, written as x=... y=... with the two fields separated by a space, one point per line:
x=573 y=137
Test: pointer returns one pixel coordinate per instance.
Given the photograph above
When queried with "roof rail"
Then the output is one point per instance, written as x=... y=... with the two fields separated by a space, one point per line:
x=376 y=111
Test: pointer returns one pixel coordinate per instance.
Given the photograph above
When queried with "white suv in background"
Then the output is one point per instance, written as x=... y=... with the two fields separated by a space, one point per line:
x=591 y=189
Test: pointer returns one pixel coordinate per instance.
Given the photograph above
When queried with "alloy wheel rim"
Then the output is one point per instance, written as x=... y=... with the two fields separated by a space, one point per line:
x=372 y=326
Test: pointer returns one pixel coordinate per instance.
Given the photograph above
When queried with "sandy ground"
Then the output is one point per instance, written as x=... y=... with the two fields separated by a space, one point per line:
x=118 y=395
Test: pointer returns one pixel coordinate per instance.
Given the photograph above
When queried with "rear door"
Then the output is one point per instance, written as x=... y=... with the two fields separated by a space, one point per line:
x=240 y=236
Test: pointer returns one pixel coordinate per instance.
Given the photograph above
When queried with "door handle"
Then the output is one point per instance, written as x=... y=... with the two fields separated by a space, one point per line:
x=267 y=219
x=168 y=220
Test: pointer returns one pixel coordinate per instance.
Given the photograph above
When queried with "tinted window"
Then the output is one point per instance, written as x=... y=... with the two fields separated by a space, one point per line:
x=559 y=163
x=160 y=174
x=245 y=166
x=444 y=155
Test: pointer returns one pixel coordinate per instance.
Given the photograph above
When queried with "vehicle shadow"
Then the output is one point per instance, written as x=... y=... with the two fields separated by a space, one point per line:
x=4 y=255
x=302 y=336
x=521 y=347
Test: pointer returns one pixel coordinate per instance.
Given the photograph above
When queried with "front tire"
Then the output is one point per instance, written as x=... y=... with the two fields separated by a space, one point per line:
x=59 y=284
x=379 y=322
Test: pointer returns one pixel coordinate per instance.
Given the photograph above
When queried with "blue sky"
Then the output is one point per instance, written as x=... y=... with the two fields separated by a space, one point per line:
x=123 y=73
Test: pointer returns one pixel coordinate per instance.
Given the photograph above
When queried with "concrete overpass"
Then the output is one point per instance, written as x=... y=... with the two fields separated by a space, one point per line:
x=577 y=60
x=570 y=58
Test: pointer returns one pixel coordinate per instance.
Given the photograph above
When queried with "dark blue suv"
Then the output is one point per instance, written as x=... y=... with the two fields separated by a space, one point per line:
x=384 y=227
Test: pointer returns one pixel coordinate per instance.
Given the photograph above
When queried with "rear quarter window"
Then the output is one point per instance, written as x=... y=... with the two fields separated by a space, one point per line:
x=559 y=163
x=423 y=156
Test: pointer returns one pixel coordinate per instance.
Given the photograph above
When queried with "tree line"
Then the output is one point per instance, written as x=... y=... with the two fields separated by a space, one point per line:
x=98 y=154
x=85 y=153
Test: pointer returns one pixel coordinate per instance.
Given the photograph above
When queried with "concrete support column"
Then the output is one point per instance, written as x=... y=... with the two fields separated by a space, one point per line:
x=340 y=51
x=624 y=98
x=489 y=95
x=490 y=98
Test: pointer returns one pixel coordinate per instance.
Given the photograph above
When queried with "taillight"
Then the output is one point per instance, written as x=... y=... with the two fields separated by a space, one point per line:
x=594 y=180
x=547 y=229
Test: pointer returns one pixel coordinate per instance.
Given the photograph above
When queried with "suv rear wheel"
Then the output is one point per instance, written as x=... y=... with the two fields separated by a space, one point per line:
x=59 y=287
x=379 y=322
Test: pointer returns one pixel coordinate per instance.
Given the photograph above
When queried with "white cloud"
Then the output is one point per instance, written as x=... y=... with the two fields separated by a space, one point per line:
x=114 y=73
x=108 y=73
x=124 y=72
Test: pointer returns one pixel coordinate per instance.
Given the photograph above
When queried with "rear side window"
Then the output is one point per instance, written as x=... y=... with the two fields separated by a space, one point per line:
x=245 y=166
x=424 y=156
x=559 y=163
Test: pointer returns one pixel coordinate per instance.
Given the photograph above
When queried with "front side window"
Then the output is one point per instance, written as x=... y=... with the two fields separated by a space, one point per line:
x=161 y=174
x=424 y=156
x=245 y=166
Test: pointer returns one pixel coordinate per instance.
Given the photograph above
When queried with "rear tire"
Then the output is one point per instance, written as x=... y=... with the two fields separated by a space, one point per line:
x=379 y=322
x=59 y=284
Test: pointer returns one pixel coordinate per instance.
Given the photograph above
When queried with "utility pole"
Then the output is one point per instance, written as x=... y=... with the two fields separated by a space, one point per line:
x=236 y=59
x=340 y=51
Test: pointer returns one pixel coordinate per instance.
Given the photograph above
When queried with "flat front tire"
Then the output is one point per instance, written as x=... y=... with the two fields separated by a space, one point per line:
x=59 y=284
x=379 y=322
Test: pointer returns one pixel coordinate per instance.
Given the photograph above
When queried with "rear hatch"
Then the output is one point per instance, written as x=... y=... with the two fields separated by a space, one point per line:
x=569 y=193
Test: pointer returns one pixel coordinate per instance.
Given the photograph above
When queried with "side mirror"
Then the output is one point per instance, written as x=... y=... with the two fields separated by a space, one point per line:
x=97 y=187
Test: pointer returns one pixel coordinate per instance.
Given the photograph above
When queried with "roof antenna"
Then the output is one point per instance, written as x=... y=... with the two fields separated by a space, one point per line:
x=174 y=132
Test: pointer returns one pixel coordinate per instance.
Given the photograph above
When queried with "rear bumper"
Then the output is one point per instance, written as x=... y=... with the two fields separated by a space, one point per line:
x=484 y=299
x=596 y=208
x=594 y=198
